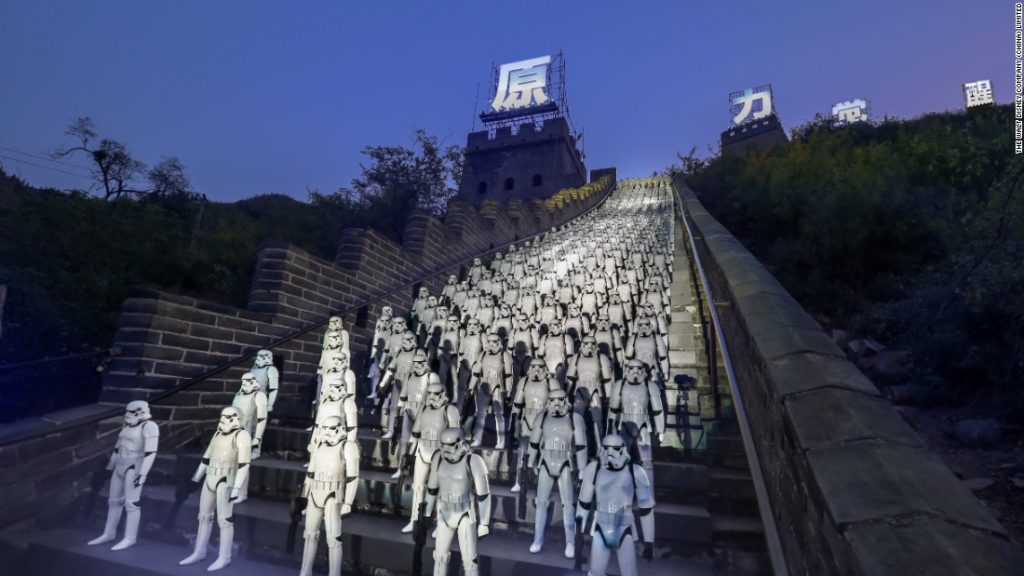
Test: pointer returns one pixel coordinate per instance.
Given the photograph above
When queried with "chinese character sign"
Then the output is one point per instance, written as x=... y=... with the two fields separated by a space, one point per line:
x=978 y=93
x=750 y=104
x=522 y=84
x=850 y=112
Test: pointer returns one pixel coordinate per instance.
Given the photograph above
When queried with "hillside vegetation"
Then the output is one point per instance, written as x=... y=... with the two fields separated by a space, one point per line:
x=909 y=232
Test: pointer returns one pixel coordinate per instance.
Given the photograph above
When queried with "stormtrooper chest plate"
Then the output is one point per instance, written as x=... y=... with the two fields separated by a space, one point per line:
x=635 y=402
x=588 y=371
x=535 y=397
x=330 y=464
x=450 y=341
x=416 y=390
x=554 y=347
x=130 y=444
x=223 y=454
x=246 y=404
x=492 y=368
x=431 y=423
x=614 y=489
x=557 y=440
x=262 y=376
x=403 y=365
x=473 y=345
x=646 y=349
x=455 y=487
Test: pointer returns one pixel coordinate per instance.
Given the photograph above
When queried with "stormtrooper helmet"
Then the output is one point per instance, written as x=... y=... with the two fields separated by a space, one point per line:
x=614 y=454
x=436 y=396
x=453 y=322
x=636 y=371
x=588 y=346
x=505 y=310
x=603 y=322
x=555 y=327
x=419 y=363
x=644 y=326
x=558 y=402
x=249 y=383
x=335 y=323
x=332 y=431
x=335 y=384
x=452 y=279
x=333 y=339
x=473 y=326
x=442 y=311
x=136 y=412
x=338 y=363
x=408 y=341
x=264 y=358
x=398 y=325
x=386 y=312
x=431 y=301
x=453 y=445
x=493 y=343
x=230 y=420
x=537 y=370
x=424 y=292
x=574 y=310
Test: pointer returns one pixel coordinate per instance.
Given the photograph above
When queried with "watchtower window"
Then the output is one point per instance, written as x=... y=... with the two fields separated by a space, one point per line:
x=481 y=188
x=509 y=183
x=537 y=180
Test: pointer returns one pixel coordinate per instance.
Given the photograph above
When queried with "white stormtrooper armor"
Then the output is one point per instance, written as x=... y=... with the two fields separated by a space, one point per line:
x=502 y=325
x=398 y=373
x=223 y=473
x=251 y=404
x=590 y=375
x=472 y=304
x=392 y=346
x=576 y=325
x=558 y=444
x=461 y=293
x=522 y=342
x=426 y=318
x=492 y=381
x=649 y=348
x=436 y=416
x=471 y=347
x=476 y=271
x=555 y=348
x=418 y=305
x=266 y=374
x=605 y=508
x=332 y=478
x=335 y=344
x=549 y=311
x=435 y=330
x=487 y=311
x=448 y=292
x=530 y=400
x=635 y=405
x=609 y=339
x=412 y=396
x=447 y=354
x=336 y=403
x=591 y=300
x=458 y=488
x=336 y=324
x=130 y=463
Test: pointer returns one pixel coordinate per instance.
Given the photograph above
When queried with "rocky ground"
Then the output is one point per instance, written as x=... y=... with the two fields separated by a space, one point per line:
x=993 y=468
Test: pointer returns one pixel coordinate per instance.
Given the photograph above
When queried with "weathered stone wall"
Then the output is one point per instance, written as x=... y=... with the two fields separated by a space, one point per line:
x=853 y=489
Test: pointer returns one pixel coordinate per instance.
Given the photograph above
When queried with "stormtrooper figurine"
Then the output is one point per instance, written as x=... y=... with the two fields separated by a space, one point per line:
x=648 y=347
x=457 y=479
x=130 y=463
x=381 y=332
x=336 y=324
x=330 y=488
x=335 y=344
x=336 y=403
x=605 y=508
x=436 y=416
x=492 y=381
x=223 y=473
x=590 y=375
x=391 y=348
x=399 y=370
x=636 y=402
x=412 y=396
x=471 y=347
x=576 y=325
x=476 y=271
x=447 y=354
x=609 y=339
x=531 y=397
x=266 y=374
x=557 y=443
x=418 y=305
x=523 y=342
x=555 y=348
x=251 y=404
x=448 y=292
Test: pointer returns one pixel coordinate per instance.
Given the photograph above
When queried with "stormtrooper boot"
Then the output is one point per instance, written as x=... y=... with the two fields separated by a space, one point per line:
x=499 y=424
x=308 y=556
x=569 y=520
x=334 y=559
x=131 y=530
x=227 y=537
x=110 y=529
x=478 y=432
x=202 y=541
x=540 y=521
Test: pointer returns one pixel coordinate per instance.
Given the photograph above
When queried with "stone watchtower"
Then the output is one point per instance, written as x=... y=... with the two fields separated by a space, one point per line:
x=528 y=149
x=532 y=163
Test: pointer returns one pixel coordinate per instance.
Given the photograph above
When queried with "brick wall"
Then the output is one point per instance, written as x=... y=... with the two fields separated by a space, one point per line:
x=853 y=489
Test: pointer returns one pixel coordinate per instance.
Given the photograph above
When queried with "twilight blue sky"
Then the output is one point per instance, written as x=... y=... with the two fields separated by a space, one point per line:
x=258 y=97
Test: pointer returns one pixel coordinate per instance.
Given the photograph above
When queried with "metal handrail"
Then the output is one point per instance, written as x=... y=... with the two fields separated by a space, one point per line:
x=771 y=532
x=47 y=360
x=114 y=411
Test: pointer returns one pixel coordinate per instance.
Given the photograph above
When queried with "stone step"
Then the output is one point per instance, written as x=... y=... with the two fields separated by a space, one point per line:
x=278 y=480
x=262 y=525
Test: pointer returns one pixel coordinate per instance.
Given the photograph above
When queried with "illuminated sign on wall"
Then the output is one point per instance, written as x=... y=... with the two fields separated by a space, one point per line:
x=522 y=84
x=851 y=111
x=751 y=104
x=978 y=93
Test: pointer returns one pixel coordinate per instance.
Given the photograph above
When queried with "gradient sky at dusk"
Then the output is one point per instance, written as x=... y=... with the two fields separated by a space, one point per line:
x=258 y=97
